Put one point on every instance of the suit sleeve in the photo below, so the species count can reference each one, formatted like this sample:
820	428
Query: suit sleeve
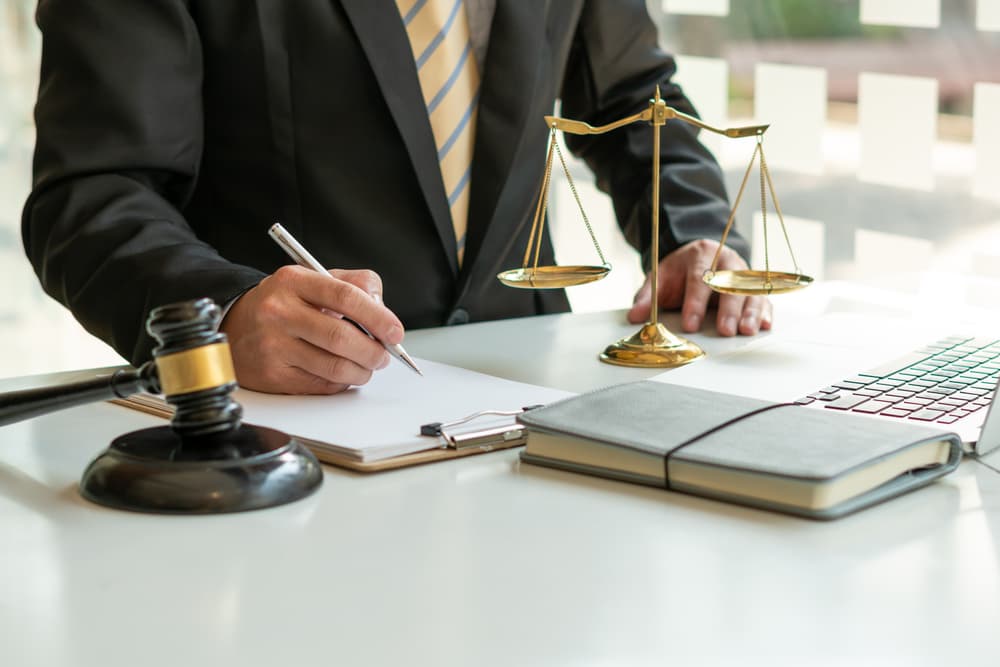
613	69
119	122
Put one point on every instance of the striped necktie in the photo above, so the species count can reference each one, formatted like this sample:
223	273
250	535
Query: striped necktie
449	79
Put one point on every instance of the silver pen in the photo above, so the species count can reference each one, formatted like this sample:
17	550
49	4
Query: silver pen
302	257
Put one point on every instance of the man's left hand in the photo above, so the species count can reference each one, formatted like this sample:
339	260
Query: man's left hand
681	286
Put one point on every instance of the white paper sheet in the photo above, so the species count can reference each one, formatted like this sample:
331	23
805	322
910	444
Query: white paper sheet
382	419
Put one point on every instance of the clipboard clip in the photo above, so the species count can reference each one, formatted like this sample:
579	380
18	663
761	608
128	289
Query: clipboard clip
498	433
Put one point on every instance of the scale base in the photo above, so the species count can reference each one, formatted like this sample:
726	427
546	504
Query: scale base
154	470
653	346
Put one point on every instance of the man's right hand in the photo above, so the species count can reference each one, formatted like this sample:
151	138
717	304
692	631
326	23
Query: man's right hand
286	336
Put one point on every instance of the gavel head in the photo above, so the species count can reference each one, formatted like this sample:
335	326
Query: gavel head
195	367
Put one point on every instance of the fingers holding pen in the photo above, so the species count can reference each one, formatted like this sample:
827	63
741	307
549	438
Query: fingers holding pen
283	341
330	308
293	366
320	368
387	328
339	338
363	303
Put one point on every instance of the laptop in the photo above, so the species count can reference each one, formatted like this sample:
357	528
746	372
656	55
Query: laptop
864	363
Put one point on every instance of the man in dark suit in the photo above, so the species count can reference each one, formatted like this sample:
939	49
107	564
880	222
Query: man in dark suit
173	133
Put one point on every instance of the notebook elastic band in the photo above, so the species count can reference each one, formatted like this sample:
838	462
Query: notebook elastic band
719	427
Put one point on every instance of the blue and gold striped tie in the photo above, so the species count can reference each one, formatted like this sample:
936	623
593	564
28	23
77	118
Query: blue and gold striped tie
449	79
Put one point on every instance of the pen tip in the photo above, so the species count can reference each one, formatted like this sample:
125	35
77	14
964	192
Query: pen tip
409	361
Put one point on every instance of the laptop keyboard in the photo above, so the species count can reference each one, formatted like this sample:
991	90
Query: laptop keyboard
942	383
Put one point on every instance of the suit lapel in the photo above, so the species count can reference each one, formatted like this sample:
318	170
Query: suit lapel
387	47
513	61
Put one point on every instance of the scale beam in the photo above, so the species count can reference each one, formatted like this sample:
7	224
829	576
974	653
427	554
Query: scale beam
571	126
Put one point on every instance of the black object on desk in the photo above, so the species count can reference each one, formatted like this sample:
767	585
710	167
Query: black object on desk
207	461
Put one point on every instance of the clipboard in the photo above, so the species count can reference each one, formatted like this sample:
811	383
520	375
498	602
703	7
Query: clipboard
453	442
378	426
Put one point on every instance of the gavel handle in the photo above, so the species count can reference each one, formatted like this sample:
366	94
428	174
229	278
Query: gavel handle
102	386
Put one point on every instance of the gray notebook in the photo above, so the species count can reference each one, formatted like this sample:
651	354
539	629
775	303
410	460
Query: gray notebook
782	457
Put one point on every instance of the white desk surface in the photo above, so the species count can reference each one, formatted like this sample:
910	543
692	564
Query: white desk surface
485	561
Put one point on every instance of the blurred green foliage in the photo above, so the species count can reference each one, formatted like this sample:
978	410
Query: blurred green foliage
799	19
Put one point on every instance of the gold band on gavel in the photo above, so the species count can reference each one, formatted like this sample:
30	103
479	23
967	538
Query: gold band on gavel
196	369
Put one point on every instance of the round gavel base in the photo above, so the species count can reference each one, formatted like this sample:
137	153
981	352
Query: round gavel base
154	470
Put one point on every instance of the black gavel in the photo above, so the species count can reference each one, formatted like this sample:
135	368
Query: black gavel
207	460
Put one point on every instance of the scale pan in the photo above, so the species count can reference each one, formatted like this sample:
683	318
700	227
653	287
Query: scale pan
551	277
755	282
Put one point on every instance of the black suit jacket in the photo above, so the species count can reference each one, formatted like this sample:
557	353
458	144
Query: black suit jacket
173	133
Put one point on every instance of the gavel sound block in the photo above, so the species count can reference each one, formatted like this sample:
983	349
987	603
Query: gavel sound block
206	461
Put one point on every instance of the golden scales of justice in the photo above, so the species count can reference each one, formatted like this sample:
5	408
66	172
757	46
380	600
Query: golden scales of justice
654	346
